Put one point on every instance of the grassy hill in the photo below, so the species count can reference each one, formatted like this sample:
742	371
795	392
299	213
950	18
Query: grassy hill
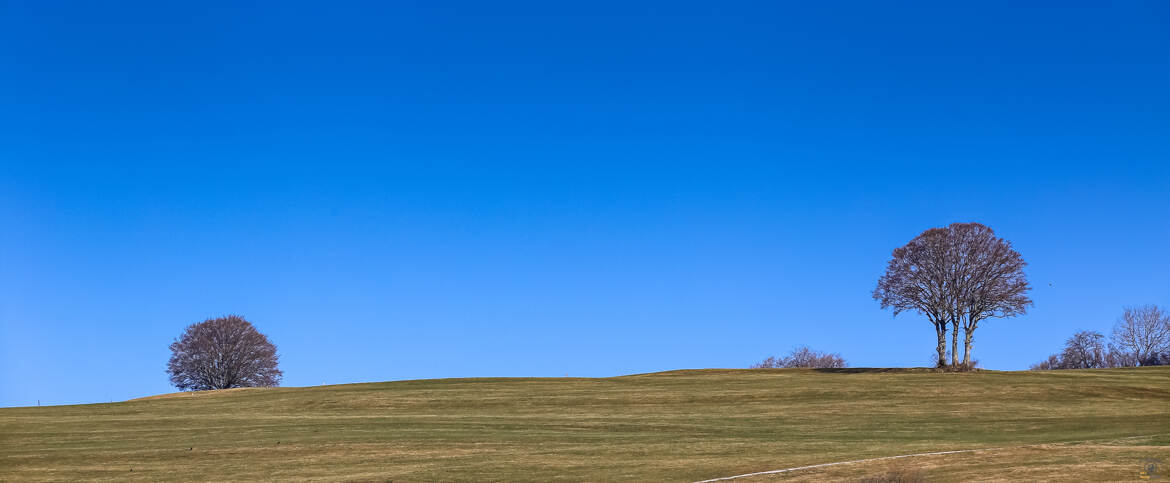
672	426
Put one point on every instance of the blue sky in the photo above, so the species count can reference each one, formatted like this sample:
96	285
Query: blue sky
397	191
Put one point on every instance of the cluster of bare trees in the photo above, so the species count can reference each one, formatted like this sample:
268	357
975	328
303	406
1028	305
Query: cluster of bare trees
1141	337
957	277
223	353
803	357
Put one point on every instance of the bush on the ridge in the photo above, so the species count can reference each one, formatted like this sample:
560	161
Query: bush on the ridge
804	357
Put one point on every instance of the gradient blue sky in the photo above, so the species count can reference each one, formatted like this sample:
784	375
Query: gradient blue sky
394	191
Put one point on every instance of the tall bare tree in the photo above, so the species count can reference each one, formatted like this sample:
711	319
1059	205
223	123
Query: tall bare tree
989	279
917	279
223	353
1145	332
959	275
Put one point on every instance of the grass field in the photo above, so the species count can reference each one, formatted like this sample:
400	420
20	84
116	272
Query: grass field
673	426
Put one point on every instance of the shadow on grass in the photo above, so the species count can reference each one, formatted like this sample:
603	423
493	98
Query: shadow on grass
876	370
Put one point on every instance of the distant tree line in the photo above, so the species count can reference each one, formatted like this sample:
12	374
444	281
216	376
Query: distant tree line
803	357
1141	337
957	277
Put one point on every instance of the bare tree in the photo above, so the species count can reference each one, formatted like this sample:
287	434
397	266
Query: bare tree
1084	350
1053	362
962	275
916	279
804	357
223	353
1144	332
989	280
1118	357
770	363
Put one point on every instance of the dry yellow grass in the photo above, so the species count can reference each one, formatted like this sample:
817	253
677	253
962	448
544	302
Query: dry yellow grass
1049	462
676	426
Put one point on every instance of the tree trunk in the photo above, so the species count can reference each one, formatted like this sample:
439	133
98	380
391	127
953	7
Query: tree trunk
941	330
955	343
970	334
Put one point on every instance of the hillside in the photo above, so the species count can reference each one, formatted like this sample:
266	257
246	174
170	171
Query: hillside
672	426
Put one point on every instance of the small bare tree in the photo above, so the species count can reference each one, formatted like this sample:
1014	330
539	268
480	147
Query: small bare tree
1144	332
1084	350
223	353
770	363
1053	362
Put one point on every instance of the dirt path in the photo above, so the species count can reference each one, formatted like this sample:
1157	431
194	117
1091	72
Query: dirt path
822	465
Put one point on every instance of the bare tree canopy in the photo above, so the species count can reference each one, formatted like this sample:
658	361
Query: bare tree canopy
916	280
1084	350
959	275
1144	332
989	279
223	353
804	357
1053	362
